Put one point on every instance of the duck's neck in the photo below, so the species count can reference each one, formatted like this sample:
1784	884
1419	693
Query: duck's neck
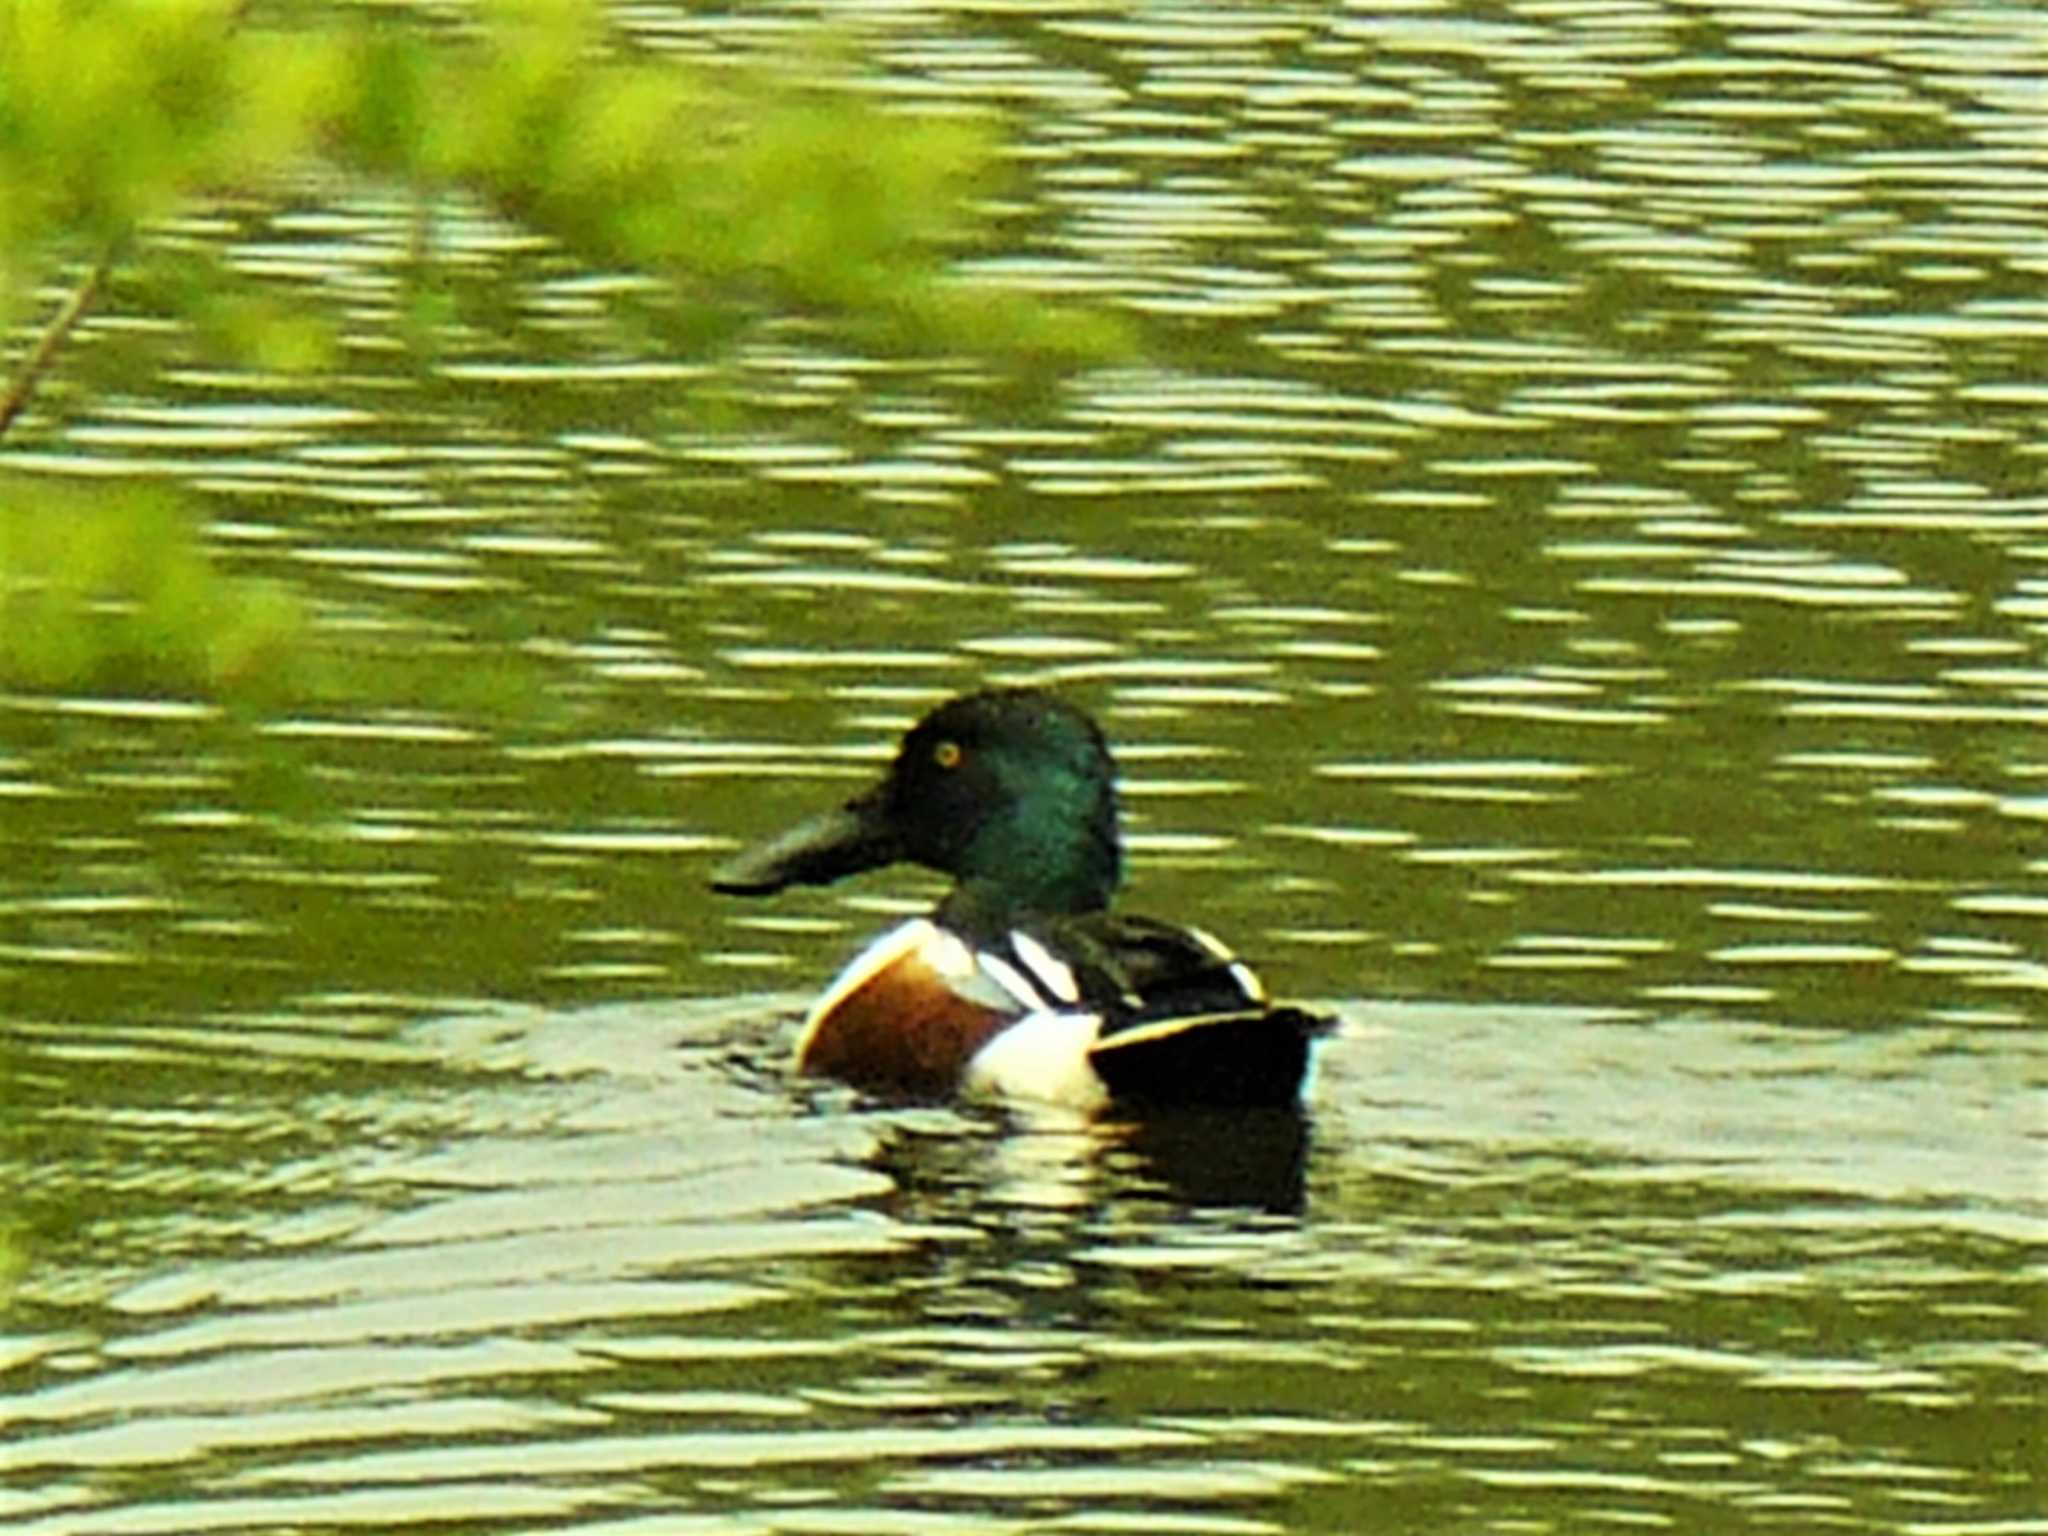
986	910
1021	868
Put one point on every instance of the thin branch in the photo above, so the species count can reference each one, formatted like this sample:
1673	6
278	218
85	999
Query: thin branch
44	352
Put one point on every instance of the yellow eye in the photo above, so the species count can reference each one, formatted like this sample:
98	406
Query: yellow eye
947	754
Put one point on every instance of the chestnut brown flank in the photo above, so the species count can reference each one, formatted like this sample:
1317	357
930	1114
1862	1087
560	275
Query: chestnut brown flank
902	1029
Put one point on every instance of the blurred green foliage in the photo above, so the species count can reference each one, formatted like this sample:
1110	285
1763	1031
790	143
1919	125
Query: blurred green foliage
744	191
776	186
114	113
745	185
112	589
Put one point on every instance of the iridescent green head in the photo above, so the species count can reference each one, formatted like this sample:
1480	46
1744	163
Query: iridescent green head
1012	792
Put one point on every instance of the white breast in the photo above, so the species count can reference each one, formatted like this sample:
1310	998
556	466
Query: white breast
1041	1056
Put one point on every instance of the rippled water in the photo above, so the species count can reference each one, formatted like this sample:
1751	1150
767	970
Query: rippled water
584	1267
1567	588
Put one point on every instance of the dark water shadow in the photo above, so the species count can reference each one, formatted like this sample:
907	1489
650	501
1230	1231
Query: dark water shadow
1256	1159
976	1162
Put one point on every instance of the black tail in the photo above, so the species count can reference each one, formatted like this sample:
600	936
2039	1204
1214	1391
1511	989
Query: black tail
1238	1059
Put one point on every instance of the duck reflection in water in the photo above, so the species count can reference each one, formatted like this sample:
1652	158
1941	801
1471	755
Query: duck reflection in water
1022	984
1018	1156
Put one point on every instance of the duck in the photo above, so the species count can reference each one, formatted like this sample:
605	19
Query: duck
1022	983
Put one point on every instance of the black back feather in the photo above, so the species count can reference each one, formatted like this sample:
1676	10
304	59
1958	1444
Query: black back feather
1183	1020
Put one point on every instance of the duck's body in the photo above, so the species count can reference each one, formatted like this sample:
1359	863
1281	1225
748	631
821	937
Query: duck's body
1021	982
1155	1014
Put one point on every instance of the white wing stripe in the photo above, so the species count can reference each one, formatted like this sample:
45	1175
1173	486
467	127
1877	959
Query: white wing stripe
1013	982
1247	982
1045	966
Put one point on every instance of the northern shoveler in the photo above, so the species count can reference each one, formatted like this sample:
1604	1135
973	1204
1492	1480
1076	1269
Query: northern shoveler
1021	982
